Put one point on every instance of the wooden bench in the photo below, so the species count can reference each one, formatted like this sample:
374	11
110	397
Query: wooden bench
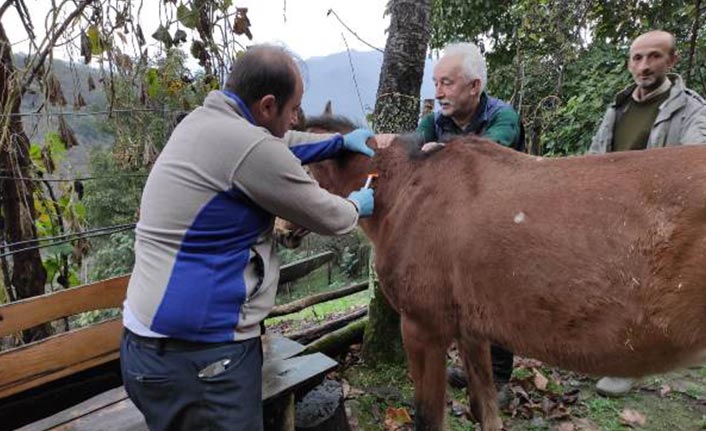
33	366
283	375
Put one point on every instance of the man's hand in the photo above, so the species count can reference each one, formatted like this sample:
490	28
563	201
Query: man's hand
363	200
355	141
432	146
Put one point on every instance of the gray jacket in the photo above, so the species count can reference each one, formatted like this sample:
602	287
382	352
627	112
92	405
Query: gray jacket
681	119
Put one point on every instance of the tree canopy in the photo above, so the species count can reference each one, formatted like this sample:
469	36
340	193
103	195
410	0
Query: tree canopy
560	61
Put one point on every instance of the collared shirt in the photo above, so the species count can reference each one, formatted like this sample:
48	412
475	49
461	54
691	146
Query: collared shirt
663	88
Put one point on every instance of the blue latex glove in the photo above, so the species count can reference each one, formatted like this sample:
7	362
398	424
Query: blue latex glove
363	199
355	141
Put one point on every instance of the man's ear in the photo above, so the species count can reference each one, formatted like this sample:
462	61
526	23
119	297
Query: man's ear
265	109
674	59
476	86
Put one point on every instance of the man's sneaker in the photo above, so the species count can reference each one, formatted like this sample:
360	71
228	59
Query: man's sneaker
614	386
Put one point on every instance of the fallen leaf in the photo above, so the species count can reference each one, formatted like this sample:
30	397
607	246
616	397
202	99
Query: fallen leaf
527	363
664	390
584	424
565	426
570	397
396	419
540	382
632	418
559	412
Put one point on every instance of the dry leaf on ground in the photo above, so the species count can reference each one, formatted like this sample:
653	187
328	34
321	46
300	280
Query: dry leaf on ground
664	390
584	424
540	382
632	418
396	419
565	426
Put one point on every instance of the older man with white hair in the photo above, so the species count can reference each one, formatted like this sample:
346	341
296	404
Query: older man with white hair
460	79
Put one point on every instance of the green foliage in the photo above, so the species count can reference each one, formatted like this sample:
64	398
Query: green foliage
3	293
90	317
95	39
111	201
113	256
596	77
57	212
186	16
560	62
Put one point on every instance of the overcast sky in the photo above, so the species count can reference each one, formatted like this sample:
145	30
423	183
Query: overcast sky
307	30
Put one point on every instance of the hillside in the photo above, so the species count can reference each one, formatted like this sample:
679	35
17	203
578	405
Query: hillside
331	78
326	78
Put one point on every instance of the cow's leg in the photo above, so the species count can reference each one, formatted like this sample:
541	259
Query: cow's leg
482	395
426	354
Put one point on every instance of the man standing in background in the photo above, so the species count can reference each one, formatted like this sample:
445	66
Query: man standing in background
656	111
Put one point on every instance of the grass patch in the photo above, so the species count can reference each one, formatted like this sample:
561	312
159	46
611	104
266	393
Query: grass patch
320	312
320	280
605	412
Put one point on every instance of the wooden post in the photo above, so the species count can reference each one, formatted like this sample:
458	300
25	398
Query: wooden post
279	415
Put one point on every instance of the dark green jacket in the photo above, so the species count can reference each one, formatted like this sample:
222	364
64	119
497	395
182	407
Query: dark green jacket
494	119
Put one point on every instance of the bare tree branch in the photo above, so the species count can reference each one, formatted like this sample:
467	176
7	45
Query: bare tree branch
24	17
5	6
37	65
331	11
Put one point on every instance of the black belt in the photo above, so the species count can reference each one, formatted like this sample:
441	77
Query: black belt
173	344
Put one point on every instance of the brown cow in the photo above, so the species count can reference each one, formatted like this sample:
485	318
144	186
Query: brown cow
595	264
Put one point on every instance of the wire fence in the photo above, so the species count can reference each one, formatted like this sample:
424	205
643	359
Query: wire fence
63	239
92	113
10	249
72	180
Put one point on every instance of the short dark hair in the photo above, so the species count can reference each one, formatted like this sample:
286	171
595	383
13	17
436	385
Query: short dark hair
263	70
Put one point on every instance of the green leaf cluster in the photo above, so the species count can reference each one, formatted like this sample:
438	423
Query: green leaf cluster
559	62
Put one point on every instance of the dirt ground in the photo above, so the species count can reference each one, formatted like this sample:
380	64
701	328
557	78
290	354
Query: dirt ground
544	398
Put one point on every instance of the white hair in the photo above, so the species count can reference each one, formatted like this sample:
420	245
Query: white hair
472	61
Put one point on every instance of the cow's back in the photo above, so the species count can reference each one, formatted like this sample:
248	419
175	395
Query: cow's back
547	256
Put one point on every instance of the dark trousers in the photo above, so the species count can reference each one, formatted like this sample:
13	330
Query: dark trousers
171	383
502	364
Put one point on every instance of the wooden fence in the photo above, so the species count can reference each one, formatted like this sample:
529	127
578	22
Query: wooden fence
30	366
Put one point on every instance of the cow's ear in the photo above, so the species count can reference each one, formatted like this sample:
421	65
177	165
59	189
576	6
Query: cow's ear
328	110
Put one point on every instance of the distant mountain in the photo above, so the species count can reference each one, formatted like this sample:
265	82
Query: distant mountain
89	130
331	78
325	78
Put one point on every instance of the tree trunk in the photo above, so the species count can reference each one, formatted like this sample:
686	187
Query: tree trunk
397	110
693	42
397	105
18	214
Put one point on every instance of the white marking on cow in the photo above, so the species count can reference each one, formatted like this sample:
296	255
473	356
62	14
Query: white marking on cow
519	217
